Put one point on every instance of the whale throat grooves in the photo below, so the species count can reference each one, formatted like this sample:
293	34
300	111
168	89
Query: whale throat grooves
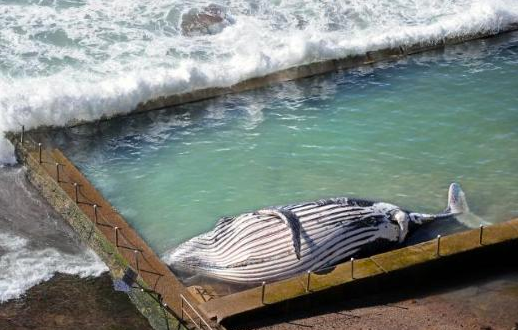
277	243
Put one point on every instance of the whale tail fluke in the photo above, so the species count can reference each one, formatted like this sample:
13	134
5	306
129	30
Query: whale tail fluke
456	200
458	206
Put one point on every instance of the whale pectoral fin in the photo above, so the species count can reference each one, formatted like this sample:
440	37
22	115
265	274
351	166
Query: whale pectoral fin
403	226
293	223
297	250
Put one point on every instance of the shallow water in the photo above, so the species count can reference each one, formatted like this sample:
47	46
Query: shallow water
397	132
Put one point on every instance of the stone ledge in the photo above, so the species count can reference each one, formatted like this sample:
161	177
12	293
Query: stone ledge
376	269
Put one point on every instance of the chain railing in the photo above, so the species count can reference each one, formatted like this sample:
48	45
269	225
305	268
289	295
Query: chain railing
140	261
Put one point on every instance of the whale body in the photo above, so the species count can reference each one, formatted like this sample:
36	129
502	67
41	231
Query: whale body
277	243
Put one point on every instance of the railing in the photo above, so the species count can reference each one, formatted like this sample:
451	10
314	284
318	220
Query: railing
100	218
200	323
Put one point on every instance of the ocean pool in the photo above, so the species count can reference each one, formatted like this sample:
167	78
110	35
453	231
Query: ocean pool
398	132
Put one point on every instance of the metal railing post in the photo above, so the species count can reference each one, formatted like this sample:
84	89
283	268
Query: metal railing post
438	251
481	234
57	172
263	288
39	152
116	236
165	316
76	188
308	281
352	268
181	309
136	260
95	213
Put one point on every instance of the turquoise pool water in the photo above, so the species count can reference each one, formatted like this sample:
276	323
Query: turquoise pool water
397	132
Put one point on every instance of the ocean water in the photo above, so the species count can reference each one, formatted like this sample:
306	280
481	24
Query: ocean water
397	132
35	243
68	60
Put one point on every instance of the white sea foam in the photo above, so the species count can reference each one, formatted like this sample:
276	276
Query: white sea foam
23	267
68	61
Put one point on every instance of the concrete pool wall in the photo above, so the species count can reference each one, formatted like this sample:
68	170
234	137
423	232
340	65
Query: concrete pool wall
305	71
312	69
460	253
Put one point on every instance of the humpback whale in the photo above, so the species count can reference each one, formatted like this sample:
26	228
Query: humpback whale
277	243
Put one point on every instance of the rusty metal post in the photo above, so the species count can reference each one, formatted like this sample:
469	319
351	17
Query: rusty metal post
136	260
481	234
76	188
39	152
181	308
438	251
95	213
308	281
57	172
263	287
116	236
22	134
165	317
352	268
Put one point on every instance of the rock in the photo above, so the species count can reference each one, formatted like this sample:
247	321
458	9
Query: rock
59	320
70	302
207	21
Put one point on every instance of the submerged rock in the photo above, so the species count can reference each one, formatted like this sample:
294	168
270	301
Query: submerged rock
206	21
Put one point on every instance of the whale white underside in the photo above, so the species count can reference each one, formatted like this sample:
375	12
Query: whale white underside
254	247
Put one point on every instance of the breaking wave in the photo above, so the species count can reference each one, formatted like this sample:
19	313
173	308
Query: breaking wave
35	243
23	267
